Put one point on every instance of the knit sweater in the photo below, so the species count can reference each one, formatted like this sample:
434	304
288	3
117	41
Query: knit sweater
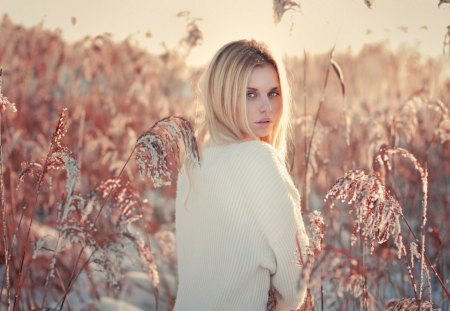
236	232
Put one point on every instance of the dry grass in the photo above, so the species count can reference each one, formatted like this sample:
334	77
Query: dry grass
82	220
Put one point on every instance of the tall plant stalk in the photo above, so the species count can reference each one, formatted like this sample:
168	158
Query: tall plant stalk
4	215
74	275
151	156
331	64
4	226
316	118
305	176
55	145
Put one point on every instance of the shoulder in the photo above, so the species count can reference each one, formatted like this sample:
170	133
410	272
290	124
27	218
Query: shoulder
263	164
256	151
248	160
255	145
260	156
257	160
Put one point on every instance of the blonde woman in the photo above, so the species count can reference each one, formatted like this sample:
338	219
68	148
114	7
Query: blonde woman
237	215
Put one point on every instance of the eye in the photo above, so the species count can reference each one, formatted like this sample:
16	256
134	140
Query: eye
274	94
251	94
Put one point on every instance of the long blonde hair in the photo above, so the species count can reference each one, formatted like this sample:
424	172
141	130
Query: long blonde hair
223	93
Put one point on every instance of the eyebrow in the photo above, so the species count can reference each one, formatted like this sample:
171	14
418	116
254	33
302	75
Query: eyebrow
276	88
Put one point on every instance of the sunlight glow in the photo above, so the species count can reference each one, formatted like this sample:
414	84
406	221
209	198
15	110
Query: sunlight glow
316	27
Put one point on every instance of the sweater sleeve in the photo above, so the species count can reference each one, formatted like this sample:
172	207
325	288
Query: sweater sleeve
276	204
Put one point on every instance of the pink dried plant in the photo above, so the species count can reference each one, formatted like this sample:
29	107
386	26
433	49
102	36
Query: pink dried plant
410	304
281	6
158	151
99	223
5	103
56	158
378	214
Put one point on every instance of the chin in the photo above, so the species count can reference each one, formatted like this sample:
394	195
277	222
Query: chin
263	134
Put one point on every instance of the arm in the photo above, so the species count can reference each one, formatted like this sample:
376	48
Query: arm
277	210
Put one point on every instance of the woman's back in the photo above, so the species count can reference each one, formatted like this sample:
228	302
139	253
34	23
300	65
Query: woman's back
237	232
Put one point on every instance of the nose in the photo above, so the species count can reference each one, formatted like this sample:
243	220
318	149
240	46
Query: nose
266	105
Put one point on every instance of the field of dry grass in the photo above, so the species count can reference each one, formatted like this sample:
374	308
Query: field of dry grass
82	230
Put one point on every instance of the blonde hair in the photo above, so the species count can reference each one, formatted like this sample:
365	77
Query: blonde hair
224	87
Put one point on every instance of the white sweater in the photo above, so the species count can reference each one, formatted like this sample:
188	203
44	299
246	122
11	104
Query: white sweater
236	235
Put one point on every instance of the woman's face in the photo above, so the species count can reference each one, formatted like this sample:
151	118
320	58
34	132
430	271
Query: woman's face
263	100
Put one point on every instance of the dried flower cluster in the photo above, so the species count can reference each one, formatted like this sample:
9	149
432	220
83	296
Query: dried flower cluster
4	102
410	304
281	6
194	35
158	150
377	213
99	223
166	242
369	3
383	158
316	233
58	157
338	267
443	130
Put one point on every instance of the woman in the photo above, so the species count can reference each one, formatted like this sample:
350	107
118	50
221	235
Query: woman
237	215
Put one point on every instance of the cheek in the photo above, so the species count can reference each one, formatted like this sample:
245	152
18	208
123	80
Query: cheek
278	106
250	109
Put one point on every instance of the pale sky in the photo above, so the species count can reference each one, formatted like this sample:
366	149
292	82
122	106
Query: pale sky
315	28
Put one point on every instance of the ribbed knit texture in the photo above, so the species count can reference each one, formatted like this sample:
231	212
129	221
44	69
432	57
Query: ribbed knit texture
236	235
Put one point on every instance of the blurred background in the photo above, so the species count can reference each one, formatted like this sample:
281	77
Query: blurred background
314	26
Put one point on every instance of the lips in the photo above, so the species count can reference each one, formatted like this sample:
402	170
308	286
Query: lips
264	121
